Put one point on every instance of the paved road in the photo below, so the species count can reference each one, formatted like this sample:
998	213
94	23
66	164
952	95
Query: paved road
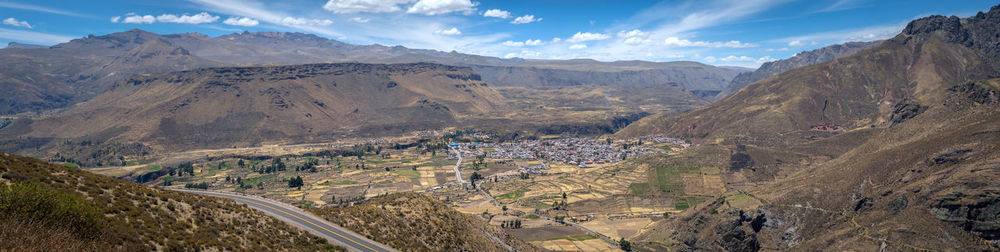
295	216
458	174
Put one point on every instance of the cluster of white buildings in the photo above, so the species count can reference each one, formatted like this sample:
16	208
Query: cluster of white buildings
573	151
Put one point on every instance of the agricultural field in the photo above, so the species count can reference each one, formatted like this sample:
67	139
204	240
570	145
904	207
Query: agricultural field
616	200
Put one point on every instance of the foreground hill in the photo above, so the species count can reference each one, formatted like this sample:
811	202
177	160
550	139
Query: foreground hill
42	79
241	106
895	147
421	223
47	207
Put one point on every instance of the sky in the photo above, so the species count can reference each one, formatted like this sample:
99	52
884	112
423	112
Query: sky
743	33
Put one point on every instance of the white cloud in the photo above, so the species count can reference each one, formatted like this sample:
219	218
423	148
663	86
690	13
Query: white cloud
637	41
675	41
360	19
734	58
841	36
136	19
8	4
526	19
577	46
355	6
115	19
33	37
305	21
776	50
635	37
710	59
18	23
412	31
452	31
529	42
556	40
632	33
241	21
709	14
513	43
437	7
587	36
199	18
840	5
766	59
497	13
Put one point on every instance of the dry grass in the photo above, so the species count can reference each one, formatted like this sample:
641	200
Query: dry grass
136	217
416	222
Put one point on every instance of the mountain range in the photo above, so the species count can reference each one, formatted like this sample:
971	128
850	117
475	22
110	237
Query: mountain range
81	69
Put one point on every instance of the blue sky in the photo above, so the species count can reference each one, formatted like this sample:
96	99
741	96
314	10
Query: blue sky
717	32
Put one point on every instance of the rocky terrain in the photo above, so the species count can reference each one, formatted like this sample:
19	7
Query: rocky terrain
899	144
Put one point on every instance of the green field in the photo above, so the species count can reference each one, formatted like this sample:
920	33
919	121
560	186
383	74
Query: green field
513	195
342	182
579	237
639	188
407	173
254	181
688	202
668	178
152	168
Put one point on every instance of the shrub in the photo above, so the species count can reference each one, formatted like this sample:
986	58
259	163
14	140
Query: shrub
34	203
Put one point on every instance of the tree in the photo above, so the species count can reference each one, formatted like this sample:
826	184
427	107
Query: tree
295	182
624	245
241	163
475	176
564	195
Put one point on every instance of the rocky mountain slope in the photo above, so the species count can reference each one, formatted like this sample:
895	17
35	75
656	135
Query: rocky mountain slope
47	207
899	144
242	106
42	79
808	58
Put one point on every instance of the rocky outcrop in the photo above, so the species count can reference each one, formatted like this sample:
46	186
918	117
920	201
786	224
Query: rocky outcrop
976	212
905	110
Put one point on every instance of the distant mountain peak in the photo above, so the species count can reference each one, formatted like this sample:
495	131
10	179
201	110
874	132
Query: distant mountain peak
24	46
